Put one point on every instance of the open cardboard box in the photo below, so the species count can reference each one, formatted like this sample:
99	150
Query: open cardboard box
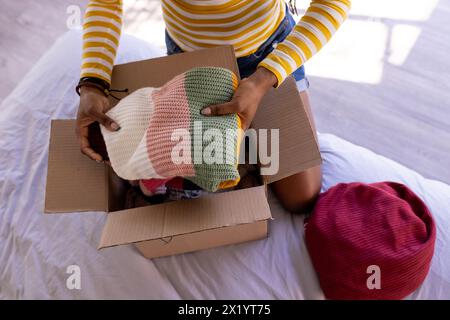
186	225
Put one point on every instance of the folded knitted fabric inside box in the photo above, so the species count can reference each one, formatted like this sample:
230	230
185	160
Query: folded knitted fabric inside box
164	135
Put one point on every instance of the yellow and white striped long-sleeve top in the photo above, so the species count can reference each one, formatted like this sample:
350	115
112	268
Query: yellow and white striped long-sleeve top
197	24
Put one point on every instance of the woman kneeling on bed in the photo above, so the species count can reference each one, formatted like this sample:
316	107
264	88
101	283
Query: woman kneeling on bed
269	46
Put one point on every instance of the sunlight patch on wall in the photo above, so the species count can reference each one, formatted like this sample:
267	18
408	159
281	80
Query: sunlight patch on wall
413	10
416	10
355	53
403	38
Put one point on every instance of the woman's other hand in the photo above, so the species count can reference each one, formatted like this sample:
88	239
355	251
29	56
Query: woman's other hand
246	98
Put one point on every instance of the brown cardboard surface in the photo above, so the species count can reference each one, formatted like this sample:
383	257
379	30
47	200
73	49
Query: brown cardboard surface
203	239
283	109
74	182
185	216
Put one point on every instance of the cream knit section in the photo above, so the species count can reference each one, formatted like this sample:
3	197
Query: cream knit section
127	148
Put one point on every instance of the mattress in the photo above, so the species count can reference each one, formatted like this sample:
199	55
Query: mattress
38	250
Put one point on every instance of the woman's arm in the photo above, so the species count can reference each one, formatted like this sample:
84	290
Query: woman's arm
311	33
101	33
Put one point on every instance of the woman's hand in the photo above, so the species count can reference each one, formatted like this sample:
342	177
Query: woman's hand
93	106
246	98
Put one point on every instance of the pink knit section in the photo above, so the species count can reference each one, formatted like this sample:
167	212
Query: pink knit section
171	112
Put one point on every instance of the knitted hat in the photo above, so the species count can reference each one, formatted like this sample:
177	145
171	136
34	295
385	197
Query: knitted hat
357	230
153	121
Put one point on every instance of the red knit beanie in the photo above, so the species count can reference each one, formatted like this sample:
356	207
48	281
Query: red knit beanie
370	241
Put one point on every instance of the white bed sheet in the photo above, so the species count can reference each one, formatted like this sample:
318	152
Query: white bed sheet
36	249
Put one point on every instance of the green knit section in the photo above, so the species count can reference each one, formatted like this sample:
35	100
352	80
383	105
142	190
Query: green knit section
207	86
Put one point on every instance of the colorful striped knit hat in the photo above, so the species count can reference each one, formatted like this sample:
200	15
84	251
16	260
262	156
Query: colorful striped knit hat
153	121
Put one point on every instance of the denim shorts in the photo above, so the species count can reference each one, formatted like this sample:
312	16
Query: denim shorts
248	64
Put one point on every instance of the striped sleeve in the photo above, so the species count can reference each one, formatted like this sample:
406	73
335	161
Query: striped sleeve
102	27
311	33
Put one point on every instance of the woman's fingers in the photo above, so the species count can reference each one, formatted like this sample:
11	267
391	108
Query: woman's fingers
106	121
234	106
85	147
221	109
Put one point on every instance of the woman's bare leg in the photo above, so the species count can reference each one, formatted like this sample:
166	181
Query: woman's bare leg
298	193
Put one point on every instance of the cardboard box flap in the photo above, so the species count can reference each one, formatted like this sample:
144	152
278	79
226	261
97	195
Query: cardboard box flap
297	143
74	182
156	72
185	216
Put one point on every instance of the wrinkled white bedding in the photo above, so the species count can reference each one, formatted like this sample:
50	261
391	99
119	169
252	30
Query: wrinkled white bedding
36	249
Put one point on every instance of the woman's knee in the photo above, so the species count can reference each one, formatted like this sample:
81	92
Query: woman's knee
298	193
